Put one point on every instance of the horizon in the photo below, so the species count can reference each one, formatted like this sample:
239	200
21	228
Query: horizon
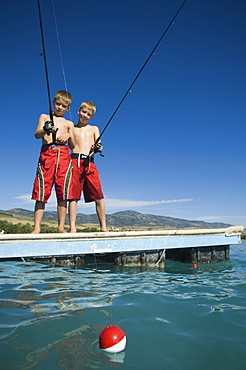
129	210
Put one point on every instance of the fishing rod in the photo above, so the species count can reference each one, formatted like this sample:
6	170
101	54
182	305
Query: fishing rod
48	124
140	71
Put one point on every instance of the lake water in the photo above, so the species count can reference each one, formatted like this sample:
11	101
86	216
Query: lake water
179	317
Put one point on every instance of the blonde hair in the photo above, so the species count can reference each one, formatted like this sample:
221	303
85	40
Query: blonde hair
89	105
64	95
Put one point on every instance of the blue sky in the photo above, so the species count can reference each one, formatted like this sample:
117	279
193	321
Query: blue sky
176	146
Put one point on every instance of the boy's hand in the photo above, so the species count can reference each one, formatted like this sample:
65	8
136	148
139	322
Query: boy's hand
63	138
97	147
48	127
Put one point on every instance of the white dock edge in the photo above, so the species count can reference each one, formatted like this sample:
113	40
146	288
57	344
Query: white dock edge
42	245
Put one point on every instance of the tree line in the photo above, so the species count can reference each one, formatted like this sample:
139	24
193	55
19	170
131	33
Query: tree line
10	228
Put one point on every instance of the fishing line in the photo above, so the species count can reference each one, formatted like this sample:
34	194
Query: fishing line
45	61
189	38
140	71
59	47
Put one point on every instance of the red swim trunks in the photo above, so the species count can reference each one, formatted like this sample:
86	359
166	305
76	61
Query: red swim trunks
85	177
54	167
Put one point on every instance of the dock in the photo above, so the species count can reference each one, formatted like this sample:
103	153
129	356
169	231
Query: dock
149	248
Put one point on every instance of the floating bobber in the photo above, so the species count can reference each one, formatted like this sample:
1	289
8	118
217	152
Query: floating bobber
194	265
112	339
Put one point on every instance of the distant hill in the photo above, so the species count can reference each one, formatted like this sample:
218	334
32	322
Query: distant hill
129	219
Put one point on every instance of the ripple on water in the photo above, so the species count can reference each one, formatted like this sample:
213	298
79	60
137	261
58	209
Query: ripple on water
53	315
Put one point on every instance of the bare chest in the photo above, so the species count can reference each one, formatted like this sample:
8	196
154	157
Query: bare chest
84	134
61	124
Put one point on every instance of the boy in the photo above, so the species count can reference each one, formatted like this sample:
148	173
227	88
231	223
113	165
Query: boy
85	174
54	165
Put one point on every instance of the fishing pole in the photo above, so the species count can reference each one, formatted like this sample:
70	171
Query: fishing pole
48	124
140	71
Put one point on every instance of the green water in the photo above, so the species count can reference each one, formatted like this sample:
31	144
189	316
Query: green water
178	318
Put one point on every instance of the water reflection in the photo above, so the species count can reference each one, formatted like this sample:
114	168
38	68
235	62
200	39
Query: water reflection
44	290
74	349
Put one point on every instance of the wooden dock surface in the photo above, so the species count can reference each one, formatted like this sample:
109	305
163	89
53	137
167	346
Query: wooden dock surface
41	245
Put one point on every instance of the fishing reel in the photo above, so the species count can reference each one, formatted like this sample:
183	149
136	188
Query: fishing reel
48	126
97	147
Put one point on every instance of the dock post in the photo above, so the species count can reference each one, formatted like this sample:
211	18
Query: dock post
204	255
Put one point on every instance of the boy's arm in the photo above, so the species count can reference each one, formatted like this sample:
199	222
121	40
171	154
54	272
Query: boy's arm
71	140
39	133
98	147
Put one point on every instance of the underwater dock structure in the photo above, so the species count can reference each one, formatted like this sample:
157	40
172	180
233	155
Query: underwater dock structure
137	248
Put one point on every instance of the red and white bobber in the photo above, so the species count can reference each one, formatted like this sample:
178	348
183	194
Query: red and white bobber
112	339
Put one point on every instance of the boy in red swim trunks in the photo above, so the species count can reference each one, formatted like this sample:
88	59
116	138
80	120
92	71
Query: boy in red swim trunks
54	165
85	174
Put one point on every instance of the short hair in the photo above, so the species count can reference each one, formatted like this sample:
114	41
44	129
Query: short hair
89	105
65	95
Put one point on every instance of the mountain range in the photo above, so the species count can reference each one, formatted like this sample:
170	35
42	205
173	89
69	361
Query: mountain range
129	219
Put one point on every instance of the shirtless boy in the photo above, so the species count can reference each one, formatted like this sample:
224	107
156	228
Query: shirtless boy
85	174
54	165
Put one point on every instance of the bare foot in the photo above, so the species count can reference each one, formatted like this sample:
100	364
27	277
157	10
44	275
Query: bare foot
62	231
104	230
35	231
72	231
